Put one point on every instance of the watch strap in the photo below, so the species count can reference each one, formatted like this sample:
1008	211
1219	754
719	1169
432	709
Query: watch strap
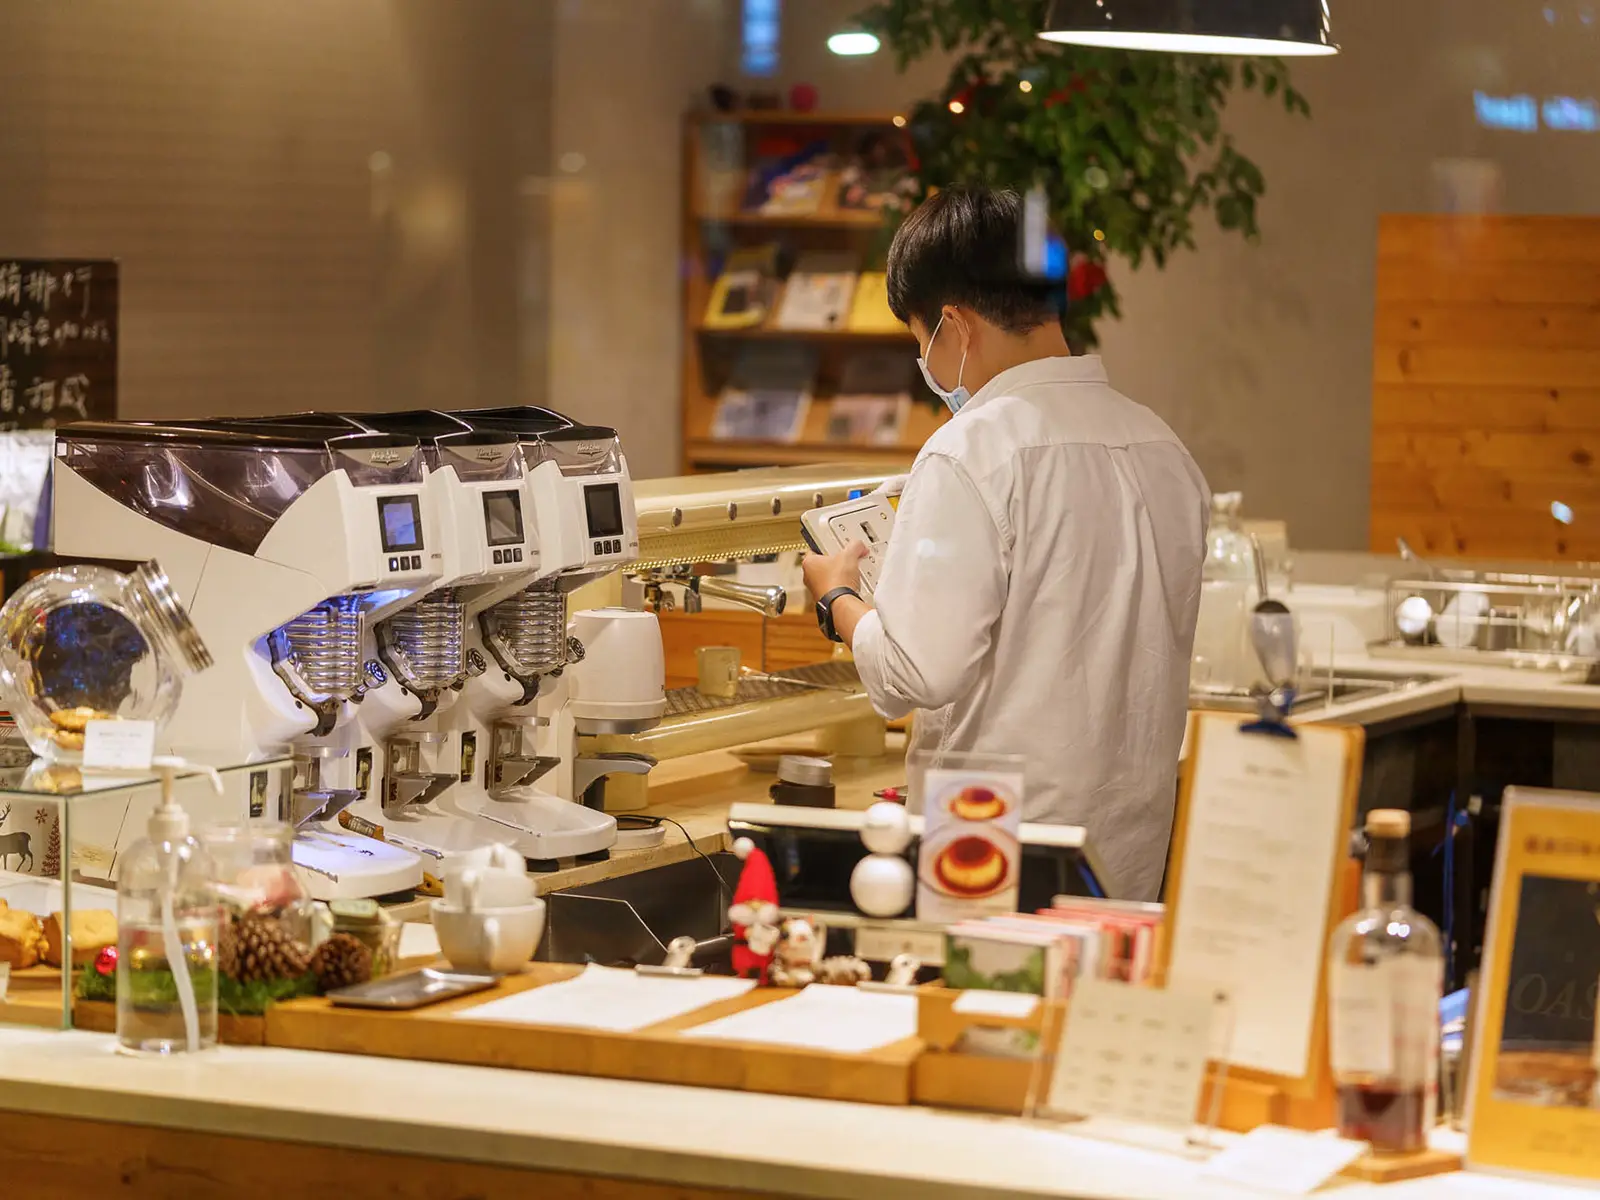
825	610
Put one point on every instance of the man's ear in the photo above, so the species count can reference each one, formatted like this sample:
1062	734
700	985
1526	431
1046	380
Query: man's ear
960	322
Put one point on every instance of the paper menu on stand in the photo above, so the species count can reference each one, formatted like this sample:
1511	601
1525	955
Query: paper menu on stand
1132	1053
610	999
1266	821
844	1020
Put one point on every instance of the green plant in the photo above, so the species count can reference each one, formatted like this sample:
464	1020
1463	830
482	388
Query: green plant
1128	146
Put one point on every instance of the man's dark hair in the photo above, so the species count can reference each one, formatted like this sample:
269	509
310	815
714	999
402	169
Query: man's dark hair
962	246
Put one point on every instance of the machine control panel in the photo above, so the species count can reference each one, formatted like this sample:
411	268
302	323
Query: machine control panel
608	527
503	526
400	531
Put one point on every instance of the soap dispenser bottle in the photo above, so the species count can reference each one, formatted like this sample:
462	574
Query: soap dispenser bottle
169	919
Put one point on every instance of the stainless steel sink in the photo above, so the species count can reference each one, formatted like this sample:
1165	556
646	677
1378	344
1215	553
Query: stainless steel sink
1347	688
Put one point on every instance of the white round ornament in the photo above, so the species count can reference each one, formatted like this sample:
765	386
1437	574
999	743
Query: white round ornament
881	885
885	829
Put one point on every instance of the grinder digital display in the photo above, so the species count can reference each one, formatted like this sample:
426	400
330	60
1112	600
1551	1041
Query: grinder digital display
401	521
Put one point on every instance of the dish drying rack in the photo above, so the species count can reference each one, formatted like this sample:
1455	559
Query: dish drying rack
1494	618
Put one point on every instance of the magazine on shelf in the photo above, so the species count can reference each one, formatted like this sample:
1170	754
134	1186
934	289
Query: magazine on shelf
874	399
819	291
743	294
768	396
869	307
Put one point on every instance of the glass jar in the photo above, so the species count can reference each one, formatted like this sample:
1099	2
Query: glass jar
256	875
86	643
1224	661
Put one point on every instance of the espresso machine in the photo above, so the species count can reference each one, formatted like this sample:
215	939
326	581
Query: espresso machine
285	540
549	678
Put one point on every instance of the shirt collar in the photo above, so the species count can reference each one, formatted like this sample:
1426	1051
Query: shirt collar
1079	368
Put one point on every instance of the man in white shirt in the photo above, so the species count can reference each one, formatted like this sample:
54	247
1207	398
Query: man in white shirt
1038	596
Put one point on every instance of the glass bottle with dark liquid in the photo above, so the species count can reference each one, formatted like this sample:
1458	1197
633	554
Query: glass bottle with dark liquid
1385	970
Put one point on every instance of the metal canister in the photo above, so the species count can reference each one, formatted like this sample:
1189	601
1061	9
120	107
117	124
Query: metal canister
806	782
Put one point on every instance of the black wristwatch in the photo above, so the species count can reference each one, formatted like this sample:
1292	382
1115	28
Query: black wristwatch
825	611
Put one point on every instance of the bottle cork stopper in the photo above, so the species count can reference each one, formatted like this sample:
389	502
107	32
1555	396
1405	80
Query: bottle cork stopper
1388	823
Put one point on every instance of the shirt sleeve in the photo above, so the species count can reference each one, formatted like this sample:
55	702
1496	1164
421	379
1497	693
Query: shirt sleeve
941	590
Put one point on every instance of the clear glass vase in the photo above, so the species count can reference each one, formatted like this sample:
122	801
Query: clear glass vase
256	875
87	643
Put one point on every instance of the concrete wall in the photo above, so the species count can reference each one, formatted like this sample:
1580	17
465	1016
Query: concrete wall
314	204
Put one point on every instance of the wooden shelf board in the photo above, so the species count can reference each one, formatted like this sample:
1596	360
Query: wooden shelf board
774	333
792	454
834	219
783	116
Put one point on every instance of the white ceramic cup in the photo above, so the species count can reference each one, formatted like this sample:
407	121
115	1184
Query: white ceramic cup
499	940
487	887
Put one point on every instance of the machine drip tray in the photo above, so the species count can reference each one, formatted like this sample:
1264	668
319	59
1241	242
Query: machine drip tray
629	921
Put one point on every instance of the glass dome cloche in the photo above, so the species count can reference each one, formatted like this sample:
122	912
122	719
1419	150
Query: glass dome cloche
88	643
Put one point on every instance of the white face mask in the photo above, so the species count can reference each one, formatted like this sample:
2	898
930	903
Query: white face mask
957	397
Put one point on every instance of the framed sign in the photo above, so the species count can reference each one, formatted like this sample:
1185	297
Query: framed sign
1260	875
1532	1105
58	341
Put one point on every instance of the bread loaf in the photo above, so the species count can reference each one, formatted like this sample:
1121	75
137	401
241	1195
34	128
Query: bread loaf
21	939
92	931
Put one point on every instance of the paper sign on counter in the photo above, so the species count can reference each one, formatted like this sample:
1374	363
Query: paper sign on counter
119	745
1132	1053
1290	1162
609	998
979	1002
844	1020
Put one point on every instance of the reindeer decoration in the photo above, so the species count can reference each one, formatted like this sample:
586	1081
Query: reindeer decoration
13	843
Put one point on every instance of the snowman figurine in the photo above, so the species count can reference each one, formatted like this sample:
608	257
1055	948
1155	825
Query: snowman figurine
882	882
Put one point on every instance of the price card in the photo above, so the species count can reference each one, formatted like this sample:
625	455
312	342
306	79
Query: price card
1271	1158
5	979
119	745
1133	1054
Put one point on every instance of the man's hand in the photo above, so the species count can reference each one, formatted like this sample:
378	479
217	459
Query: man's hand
824	572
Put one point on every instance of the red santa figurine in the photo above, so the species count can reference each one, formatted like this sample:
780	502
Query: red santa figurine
754	913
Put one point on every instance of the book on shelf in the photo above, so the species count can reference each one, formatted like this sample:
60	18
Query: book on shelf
791	184
876	175
869	307
874	400
818	292
768	395
743	294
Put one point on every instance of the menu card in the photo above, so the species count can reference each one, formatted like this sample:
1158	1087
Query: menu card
1132	1053
1267	819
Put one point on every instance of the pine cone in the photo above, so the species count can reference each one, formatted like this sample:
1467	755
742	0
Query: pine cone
256	948
341	961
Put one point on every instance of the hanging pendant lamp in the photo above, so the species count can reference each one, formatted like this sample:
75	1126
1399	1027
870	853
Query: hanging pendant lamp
1288	28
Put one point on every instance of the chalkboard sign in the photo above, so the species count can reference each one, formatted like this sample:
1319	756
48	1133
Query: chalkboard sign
58	341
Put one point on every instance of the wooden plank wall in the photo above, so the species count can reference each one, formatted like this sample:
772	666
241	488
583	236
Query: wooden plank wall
1486	386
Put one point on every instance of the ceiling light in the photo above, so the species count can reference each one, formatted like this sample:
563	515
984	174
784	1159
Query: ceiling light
1288	28
853	43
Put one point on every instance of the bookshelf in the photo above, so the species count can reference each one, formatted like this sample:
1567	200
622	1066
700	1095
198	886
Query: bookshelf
719	151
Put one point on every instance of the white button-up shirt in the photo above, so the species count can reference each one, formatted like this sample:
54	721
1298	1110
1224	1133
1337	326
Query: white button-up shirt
1038	598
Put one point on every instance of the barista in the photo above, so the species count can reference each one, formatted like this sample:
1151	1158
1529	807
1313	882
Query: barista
1039	594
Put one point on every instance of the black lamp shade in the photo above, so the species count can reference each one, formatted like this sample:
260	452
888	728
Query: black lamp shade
1288	28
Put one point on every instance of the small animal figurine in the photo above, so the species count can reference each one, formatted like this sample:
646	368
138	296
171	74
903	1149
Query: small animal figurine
794	964
843	970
